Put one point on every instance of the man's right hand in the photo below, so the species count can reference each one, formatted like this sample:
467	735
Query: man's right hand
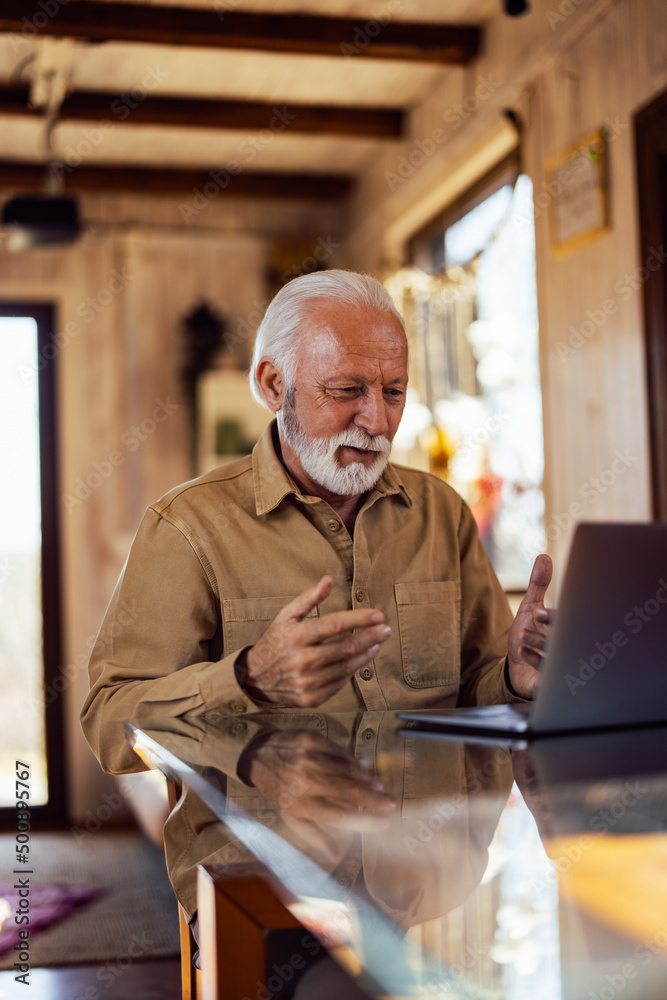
301	663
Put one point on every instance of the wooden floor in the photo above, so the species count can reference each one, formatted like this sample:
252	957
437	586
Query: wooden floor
157	980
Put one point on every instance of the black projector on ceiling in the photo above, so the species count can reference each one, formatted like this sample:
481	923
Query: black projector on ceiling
41	220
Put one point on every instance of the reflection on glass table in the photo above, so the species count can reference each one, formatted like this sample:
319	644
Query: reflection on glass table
428	866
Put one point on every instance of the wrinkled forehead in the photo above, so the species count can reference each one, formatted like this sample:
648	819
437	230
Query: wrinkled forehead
334	332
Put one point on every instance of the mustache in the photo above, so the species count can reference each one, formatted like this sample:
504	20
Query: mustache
356	437
352	437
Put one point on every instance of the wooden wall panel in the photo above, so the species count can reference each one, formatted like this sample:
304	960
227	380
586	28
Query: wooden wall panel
594	386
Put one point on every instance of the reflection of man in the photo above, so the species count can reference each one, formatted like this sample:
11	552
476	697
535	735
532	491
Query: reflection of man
314	573
404	822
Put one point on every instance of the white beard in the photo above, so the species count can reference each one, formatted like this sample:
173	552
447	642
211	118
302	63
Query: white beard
318	455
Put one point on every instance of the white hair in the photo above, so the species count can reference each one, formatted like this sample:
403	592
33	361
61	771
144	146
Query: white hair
285	320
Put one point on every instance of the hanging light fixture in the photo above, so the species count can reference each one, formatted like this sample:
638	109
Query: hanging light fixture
52	217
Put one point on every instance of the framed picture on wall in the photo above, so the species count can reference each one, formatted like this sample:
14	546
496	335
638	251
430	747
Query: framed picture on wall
577	189
229	419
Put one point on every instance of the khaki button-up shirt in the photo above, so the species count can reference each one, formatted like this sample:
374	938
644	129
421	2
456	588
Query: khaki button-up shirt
216	559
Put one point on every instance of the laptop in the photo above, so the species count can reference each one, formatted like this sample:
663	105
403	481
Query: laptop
606	665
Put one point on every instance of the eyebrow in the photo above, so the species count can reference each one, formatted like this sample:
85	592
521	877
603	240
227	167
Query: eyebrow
363	381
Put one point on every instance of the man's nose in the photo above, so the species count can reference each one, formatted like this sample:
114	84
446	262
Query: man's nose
372	414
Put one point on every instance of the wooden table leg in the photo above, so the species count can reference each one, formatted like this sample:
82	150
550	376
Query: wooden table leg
251	946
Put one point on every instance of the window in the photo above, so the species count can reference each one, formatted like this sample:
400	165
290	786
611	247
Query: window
29	577
474	414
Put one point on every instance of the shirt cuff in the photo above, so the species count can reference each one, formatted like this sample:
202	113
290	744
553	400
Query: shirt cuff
226	746
221	690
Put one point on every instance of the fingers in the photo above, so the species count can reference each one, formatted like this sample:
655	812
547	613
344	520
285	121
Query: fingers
319	630
351	797
531	627
343	816
351	646
532	652
531	656
344	781
303	603
540	578
310	674
332	665
301	662
533	640
314	759
532	646
318	785
334	763
340	794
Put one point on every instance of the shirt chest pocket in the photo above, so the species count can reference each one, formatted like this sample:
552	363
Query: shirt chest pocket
429	622
247	619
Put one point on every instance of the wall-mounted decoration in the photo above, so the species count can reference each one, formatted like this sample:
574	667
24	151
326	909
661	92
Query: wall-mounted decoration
577	193
229	419
203	334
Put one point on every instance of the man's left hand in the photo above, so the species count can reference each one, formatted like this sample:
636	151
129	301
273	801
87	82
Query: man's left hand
530	631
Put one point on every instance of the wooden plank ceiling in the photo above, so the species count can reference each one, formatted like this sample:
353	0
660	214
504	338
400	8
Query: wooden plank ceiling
153	96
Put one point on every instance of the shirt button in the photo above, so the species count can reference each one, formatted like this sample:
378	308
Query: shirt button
359	594
368	735
237	707
344	881
367	673
333	525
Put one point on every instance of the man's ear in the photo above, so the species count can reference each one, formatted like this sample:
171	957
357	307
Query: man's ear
271	384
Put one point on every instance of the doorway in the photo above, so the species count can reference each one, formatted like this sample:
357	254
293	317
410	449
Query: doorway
31	737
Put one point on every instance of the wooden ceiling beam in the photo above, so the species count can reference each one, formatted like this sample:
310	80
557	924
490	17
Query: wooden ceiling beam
370	123
374	38
196	186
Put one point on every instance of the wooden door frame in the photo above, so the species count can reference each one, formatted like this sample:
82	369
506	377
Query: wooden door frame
44	314
650	124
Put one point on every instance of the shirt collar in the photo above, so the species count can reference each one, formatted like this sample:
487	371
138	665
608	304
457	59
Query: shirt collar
273	483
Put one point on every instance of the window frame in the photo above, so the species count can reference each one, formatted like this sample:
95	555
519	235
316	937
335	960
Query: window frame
426	249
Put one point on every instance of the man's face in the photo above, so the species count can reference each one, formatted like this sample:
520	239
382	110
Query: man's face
348	397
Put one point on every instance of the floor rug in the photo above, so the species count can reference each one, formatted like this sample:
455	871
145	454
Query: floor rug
37	907
134	917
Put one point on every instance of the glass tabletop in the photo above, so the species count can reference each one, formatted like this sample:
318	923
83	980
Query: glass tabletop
432	866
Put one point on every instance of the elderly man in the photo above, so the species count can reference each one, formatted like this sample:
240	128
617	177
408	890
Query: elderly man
314	573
